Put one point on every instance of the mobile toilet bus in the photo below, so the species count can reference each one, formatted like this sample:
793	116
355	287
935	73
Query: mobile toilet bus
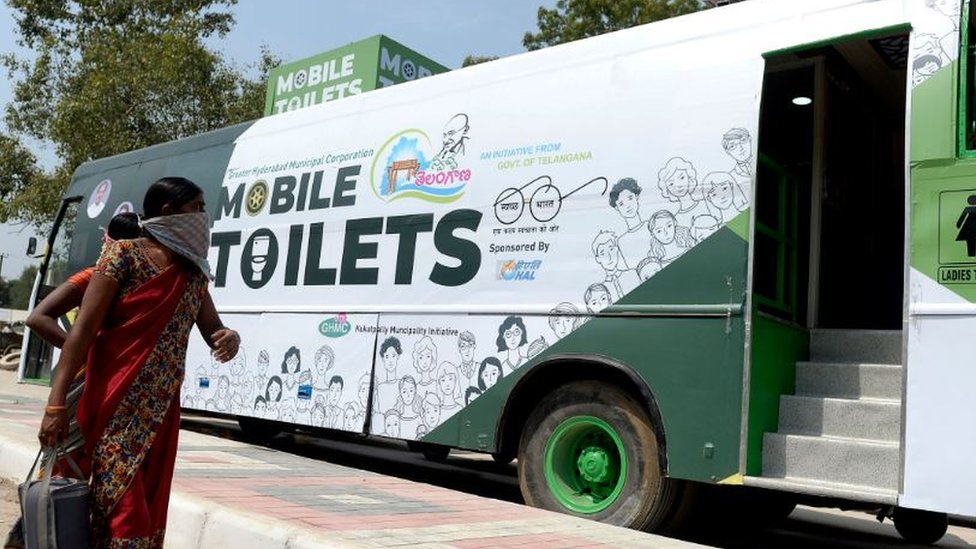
733	247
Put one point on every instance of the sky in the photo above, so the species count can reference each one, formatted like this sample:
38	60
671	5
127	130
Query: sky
446	31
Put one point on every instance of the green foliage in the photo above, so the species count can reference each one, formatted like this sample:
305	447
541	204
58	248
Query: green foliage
20	289
476	59
111	76
575	19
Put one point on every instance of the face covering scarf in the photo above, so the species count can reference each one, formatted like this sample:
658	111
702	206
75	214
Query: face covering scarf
186	234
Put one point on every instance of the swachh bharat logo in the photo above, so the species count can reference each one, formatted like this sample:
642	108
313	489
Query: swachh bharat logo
336	326
409	165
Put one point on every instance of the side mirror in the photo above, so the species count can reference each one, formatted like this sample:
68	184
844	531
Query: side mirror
31	246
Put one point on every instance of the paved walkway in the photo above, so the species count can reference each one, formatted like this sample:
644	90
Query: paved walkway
229	494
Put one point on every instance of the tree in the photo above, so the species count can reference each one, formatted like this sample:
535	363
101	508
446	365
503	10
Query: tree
20	289
112	76
477	59
575	19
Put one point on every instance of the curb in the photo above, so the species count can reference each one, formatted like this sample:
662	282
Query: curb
195	522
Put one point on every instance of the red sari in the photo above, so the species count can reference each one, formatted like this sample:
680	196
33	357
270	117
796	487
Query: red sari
129	412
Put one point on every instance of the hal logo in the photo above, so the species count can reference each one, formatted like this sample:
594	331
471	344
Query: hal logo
511	269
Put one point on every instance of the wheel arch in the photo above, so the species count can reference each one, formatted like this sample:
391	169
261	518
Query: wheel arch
562	369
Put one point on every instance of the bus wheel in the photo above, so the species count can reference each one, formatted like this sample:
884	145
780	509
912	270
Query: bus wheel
920	527
589	449
259	431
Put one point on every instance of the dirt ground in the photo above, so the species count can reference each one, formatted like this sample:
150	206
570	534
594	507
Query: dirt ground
9	508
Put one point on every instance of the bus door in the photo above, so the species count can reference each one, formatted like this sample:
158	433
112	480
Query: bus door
39	356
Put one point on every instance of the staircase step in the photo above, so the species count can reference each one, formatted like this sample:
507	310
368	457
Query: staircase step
841	460
872	346
840	417
840	379
825	489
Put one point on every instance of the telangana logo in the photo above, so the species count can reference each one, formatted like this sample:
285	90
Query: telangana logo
405	168
336	326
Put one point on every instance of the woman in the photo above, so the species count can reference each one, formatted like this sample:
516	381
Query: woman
132	327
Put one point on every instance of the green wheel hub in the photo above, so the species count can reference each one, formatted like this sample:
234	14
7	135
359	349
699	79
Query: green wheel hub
585	464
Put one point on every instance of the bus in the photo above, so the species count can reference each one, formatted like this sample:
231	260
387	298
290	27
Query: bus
737	247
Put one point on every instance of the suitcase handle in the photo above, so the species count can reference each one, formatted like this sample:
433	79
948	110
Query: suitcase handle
49	456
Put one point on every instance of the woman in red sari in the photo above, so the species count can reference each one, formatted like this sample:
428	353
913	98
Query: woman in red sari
132	330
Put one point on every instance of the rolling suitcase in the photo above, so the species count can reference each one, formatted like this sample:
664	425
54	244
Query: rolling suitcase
55	510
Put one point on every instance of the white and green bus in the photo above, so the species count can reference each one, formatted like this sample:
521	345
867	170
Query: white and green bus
735	247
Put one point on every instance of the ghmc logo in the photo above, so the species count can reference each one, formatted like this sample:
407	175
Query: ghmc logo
336	326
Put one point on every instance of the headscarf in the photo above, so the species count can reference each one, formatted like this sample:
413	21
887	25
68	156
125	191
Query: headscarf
186	234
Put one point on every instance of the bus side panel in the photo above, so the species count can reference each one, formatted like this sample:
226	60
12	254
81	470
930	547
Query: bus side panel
693	365
303	369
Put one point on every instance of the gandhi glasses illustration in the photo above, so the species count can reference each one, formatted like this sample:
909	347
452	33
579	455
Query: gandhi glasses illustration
544	203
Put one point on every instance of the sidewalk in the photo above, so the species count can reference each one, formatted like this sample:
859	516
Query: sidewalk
233	495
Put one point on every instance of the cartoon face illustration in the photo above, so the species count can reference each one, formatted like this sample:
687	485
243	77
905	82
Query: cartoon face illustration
390	358
237	364
738	144
363	394
424	359
471	394
562	325
288	415
679	183
260	407
424	355
324	359
432	410
318	416
490	374
291	362
607	254
513	336
721	193
663	229
391	424
408	390
274	389
335	390
597	297
448	381
466	350
263	360
455	130
627	203
223	386
349	419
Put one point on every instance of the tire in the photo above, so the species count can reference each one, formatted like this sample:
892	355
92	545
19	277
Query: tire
259	431
502	458
920	527
589	449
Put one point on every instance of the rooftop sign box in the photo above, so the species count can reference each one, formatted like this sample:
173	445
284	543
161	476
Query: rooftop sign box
375	62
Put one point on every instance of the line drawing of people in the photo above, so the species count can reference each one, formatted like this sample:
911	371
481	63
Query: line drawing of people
323	361
967	226
702	227
737	143
286	410
318	416
625	199
387	388
304	385
391	424
272	394
563	319
678	183
470	394
619	279
222	397
924	66
596	297
724	196
648	267
425	363
668	239
431	416
421	431
260	406
350	418
333	412
512	343
466	347
489	373
290	365
449	388
455	136
261	378
407	404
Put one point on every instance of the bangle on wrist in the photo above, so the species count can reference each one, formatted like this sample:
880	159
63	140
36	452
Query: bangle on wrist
54	410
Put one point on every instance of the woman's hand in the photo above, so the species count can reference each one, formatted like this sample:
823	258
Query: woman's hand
54	427
225	344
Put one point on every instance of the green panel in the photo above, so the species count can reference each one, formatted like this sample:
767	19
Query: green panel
398	63
776	348
740	225
324	77
941	214
934	116
692	364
